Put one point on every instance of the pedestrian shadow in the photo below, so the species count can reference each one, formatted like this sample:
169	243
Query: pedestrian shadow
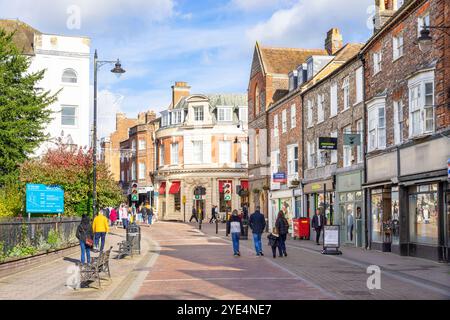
75	261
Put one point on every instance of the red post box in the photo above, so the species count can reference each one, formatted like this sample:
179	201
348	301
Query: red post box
303	228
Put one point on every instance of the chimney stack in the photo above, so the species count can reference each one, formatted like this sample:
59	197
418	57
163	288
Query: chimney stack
179	90
119	118
385	9
333	42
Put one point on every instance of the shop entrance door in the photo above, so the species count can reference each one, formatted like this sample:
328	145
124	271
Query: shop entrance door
199	205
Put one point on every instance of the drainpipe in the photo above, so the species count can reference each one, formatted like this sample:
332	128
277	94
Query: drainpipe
366	193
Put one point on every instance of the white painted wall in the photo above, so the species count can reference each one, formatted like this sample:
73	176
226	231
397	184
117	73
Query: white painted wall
55	54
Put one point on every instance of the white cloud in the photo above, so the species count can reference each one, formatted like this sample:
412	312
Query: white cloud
305	23
255	5
51	14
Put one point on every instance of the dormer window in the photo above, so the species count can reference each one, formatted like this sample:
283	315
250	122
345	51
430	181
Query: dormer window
176	117
293	80
198	113
224	114
310	69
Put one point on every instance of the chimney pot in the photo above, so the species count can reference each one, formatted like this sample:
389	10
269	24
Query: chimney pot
333	42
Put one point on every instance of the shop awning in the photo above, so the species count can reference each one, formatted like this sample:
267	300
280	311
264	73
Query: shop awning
222	182
162	188
175	187
244	184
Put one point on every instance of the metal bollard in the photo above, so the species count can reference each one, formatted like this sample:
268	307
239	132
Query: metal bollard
217	227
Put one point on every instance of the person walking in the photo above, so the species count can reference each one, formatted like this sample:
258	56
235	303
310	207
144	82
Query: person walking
124	215
113	216
257	223
213	214
318	221
274	242
85	235
100	228
245	211
234	226
150	215
144	214
194	215
282	226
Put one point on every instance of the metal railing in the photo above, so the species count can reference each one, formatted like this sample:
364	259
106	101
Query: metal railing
16	232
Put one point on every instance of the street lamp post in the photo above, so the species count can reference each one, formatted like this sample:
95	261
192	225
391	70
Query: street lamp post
118	71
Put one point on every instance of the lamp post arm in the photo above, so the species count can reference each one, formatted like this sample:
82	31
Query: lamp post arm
440	28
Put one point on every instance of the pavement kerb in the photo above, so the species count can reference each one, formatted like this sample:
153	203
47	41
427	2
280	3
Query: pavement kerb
296	276
130	286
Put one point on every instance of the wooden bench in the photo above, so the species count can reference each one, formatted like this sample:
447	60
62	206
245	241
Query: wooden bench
91	271
125	248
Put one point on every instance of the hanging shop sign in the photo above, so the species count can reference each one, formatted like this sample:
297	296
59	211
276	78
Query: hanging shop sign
352	139
327	143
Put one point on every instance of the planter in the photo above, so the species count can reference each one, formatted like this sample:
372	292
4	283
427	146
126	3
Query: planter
295	182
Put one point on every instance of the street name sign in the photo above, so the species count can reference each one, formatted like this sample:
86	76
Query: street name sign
41	198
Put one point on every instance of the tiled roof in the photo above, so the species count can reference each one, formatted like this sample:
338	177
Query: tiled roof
24	34
284	60
218	99
347	52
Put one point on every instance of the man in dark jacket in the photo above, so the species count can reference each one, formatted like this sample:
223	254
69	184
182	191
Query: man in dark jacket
257	223
318	221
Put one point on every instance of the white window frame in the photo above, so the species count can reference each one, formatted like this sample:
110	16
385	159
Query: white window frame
377	58
418	107
397	46
346	92
284	121
275	126
293	116
346	150
133	171
69	79
243	114
176	117
141	171
292	162
225	152
424	19
142	144
224	114
199	113
333	100
310	113
320	108
275	156
174	153
197	151
359	81
359	149
334	153
133	145
398	122
75	116
375	127
162	155
311	150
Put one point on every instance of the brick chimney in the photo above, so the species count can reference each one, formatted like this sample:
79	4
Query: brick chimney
333	42
385	9
150	116
119	118
179	90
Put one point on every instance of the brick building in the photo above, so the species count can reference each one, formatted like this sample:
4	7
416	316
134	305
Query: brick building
110	146
268	83
408	122
137	158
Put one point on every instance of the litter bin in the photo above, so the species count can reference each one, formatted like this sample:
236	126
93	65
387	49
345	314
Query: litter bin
134	237
387	237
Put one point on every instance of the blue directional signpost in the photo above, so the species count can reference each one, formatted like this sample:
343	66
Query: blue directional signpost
44	199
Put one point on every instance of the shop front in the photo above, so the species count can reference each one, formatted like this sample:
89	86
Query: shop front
349	208
319	195
282	200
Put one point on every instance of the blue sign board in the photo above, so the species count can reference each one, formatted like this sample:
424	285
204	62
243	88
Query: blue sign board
44	199
279	177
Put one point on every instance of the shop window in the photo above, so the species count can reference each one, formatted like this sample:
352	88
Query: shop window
380	212
177	201
423	214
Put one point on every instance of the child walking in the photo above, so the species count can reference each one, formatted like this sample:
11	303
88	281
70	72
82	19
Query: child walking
274	240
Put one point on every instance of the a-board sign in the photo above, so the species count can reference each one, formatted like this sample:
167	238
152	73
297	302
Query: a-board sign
41	198
331	236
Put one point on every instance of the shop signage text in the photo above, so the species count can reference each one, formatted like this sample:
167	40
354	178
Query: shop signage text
327	143
279	177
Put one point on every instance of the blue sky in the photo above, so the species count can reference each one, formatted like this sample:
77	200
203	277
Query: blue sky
207	43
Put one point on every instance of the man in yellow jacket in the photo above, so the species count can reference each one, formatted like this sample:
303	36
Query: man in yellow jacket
100	226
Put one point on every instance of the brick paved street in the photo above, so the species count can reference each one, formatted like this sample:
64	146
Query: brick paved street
180	262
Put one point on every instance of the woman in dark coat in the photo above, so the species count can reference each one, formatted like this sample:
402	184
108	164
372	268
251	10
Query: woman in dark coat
282	226
85	233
